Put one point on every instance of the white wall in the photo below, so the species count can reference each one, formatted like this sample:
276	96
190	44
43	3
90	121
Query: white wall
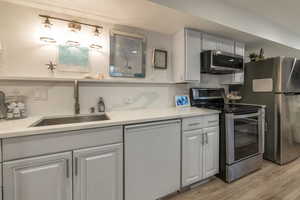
272	50
24	55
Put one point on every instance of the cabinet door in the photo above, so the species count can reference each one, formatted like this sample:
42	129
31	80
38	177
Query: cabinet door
98	173
240	49
46	178
192	55
209	42
192	157
211	152
225	45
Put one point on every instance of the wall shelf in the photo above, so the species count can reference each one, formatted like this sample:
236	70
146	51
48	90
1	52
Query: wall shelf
67	80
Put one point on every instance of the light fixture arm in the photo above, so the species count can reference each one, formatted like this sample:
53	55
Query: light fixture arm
71	21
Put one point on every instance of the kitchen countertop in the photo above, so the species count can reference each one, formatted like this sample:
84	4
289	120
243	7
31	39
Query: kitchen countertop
16	128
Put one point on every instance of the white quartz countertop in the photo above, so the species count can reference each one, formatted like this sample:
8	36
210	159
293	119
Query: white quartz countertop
22	127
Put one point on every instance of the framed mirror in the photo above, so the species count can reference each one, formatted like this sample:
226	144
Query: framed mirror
127	55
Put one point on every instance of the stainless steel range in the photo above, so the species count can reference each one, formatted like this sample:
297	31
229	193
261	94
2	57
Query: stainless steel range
241	133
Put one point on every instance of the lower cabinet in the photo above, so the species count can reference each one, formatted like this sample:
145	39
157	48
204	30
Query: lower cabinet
200	154
46	177
211	152
98	173
192	156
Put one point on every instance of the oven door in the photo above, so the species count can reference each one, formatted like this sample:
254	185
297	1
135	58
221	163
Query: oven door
244	136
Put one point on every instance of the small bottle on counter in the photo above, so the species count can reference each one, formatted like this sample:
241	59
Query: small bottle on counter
101	105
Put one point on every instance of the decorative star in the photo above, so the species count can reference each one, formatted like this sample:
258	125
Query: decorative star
51	66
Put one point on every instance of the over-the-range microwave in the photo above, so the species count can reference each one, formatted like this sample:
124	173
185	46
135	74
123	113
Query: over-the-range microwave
218	62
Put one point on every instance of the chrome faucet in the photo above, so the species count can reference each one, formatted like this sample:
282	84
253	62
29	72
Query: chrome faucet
76	97
3	107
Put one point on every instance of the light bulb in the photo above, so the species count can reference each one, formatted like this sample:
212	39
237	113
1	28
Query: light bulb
96	42
72	40
46	32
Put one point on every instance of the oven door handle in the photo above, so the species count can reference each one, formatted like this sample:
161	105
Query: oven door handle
246	116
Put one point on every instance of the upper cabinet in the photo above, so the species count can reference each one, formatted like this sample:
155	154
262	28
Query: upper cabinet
239	49
188	45
187	50
225	45
211	42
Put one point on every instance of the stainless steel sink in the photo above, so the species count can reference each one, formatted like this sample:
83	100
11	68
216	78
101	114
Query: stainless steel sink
70	120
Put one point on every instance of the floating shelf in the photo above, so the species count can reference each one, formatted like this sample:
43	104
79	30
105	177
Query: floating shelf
62	79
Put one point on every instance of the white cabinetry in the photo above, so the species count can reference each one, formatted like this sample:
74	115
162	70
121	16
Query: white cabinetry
240	49
187	47
47	178
200	149
187	50
98	173
152	160
192	157
225	45
211	42
211	151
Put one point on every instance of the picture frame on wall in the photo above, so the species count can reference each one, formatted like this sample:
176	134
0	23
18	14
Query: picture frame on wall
73	59
127	55
160	59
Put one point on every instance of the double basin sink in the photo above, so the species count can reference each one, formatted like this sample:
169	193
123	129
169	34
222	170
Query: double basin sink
70	120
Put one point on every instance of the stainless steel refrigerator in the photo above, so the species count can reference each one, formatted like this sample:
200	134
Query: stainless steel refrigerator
275	82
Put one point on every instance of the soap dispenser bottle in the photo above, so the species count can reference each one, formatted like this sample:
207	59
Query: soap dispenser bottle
101	105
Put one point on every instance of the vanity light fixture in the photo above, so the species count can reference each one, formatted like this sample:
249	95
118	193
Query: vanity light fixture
74	28
73	33
46	34
96	43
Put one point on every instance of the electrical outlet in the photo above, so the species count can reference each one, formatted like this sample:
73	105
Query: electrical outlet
128	100
40	94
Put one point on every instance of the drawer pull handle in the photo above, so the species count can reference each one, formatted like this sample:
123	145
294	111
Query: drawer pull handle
195	124
76	166
67	168
214	121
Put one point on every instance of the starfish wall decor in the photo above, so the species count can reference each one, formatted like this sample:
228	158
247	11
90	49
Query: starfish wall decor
51	66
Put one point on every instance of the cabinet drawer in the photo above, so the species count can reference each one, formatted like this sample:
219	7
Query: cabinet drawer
211	120
27	146
192	123
200	122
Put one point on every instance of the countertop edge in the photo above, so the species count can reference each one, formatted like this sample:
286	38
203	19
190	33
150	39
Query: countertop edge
32	131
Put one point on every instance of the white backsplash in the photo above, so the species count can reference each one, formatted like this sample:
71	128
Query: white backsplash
60	97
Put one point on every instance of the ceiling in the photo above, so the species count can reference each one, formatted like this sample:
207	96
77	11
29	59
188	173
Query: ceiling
283	12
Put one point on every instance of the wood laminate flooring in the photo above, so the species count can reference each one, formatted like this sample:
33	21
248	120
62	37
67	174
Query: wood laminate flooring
272	182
